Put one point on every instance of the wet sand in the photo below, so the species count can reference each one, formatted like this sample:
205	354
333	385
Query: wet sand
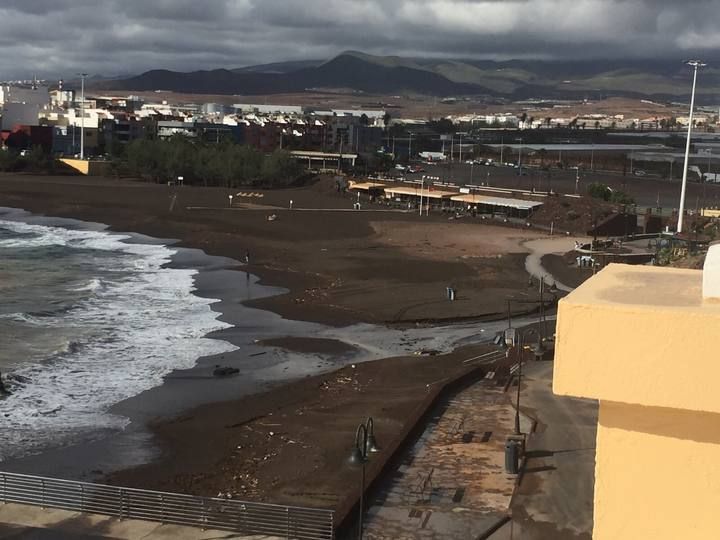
310	345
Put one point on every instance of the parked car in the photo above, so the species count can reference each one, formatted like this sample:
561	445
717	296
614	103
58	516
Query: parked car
640	173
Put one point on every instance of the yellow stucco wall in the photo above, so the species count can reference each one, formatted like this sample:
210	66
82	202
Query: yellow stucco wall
87	167
638	334
82	166
657	474
644	342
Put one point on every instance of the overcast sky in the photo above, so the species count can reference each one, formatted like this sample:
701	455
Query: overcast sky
61	37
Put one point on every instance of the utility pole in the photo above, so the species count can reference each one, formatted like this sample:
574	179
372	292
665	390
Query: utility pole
82	115
460	159
695	64
520	157
577	179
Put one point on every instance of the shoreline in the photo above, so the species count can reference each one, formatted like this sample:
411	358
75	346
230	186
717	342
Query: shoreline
184	392
94	456
284	356
338	269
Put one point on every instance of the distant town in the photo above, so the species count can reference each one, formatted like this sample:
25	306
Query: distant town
66	122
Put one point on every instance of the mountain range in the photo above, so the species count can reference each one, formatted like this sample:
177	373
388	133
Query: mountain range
512	79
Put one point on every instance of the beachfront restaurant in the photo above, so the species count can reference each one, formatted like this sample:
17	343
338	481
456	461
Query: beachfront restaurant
410	196
486	204
373	189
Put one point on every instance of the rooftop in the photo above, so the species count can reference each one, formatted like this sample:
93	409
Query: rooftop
644	333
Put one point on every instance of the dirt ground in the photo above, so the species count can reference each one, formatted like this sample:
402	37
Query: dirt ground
291	445
339	266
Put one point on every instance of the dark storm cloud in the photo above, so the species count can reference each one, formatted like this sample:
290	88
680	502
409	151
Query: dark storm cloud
62	37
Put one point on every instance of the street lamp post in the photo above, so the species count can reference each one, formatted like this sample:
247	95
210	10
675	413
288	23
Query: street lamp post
695	64
82	115
520	157
539	351
365	444
422	186
577	179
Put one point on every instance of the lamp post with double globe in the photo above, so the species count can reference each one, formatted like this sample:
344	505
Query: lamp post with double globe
365	444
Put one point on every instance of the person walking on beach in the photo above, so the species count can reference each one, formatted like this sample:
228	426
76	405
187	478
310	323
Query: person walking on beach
247	257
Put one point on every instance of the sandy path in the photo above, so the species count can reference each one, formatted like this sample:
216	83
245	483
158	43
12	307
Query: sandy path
450	240
546	246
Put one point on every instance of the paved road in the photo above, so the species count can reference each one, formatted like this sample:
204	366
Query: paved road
544	246
555	497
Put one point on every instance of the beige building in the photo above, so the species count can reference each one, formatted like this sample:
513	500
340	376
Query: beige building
644	342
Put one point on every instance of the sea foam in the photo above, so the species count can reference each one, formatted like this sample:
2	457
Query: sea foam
134	325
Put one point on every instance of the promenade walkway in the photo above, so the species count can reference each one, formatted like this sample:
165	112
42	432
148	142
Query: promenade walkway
452	484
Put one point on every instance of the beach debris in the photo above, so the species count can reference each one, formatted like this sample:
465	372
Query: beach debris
225	371
427	352
3	391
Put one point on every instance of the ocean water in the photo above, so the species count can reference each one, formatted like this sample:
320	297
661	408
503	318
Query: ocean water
88	318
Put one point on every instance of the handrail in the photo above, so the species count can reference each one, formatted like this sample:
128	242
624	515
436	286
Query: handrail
245	517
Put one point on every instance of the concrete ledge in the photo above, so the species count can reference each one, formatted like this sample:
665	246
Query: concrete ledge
640	335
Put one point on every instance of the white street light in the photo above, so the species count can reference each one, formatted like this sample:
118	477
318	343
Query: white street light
82	115
520	156
695	64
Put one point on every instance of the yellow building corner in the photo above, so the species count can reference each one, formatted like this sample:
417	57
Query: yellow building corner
644	342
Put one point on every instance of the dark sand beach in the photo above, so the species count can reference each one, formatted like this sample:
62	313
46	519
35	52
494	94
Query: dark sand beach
317	269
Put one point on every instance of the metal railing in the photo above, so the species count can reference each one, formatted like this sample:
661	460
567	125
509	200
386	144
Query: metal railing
173	508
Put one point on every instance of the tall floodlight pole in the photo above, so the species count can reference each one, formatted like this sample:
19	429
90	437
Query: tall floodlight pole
82	115
695	64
